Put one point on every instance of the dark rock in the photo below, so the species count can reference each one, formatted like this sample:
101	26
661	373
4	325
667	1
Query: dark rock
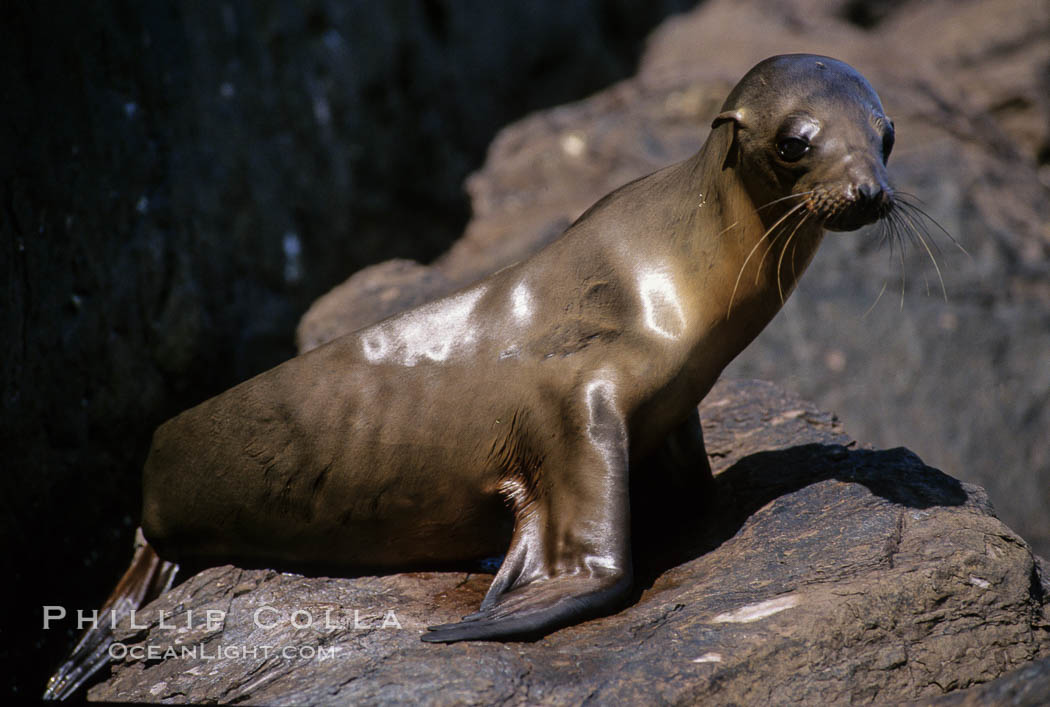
817	573
1025	687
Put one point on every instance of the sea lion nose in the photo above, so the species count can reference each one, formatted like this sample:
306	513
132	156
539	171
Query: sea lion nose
873	197
870	192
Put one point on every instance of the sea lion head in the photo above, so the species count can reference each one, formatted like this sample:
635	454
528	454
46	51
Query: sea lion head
810	127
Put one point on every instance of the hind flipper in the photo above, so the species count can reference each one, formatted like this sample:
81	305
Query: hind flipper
146	578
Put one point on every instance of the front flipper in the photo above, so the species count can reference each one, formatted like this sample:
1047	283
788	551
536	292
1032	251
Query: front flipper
569	557
537	609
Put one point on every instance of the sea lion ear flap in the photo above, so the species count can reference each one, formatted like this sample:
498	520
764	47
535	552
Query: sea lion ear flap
736	118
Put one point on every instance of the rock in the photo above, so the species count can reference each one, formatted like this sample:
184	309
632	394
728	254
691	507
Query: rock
818	572
963	382
1025	687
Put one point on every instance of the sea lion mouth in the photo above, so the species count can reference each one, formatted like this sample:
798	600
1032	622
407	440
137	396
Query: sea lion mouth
850	221
851	208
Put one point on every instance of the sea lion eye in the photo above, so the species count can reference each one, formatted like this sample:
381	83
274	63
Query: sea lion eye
887	145
791	149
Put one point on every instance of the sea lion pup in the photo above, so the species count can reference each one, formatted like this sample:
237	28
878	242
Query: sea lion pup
539	387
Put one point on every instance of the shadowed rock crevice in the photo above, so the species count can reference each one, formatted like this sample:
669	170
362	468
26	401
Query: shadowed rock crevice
700	525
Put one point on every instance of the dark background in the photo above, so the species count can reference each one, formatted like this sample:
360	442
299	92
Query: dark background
160	162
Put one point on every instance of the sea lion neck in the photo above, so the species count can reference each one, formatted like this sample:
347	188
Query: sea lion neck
761	244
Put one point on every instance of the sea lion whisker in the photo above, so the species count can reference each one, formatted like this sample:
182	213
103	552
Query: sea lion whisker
904	276
903	234
780	260
794	275
786	198
917	232
905	222
906	226
727	229
905	202
910	198
758	242
772	242
893	231
888	233
897	228
913	224
877	298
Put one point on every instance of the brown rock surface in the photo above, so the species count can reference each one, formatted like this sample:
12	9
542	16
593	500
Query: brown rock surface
817	573
1025	687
